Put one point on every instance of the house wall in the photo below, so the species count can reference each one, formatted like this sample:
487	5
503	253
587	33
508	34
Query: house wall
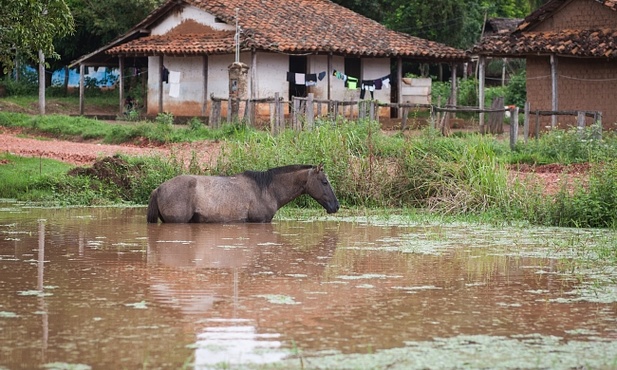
190	92
580	14
582	84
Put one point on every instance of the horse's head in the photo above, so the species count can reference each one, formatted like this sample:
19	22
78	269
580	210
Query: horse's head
318	187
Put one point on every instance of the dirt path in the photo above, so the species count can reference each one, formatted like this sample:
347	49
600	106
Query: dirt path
86	153
549	177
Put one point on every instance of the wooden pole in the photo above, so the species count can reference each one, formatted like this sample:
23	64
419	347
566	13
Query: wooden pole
513	127
82	88
481	76
204	106
526	122
42	103
310	115
554	101
399	83
161	84
121	84
329	73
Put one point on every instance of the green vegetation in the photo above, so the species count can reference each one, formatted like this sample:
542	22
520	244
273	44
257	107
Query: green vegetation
463	175
80	128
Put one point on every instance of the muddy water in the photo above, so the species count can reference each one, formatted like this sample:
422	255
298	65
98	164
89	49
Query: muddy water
99	288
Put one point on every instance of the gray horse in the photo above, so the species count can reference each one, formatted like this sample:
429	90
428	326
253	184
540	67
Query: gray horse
251	196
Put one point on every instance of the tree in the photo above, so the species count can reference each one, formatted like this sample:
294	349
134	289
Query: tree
97	23
27	27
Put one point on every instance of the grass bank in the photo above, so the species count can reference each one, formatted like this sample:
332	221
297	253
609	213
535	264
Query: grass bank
464	175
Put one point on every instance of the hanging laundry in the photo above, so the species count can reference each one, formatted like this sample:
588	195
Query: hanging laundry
165	74
321	75
367	85
386	82
378	84
311	79
300	79
174	84
339	75
352	83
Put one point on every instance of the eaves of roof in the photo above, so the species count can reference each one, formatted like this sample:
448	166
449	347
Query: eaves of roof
567	43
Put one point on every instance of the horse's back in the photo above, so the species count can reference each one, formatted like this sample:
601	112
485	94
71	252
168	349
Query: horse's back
192	198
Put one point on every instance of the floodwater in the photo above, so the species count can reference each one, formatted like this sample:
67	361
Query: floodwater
99	288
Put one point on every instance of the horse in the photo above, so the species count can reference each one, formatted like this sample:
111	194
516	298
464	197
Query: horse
250	196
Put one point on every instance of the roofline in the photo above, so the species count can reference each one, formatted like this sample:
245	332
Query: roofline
140	29
107	47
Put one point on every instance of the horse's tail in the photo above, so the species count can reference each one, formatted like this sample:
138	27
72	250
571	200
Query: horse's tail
153	208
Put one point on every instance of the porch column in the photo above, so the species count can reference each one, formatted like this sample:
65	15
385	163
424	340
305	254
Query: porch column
481	65
204	105
554	101
253	74
329	74
121	83
399	85
82	88
161	84
454	83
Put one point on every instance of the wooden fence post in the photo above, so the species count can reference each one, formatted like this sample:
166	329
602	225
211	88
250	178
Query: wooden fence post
215	114
526	122
310	114
229	115
495	119
580	120
513	127
404	118
277	107
295	111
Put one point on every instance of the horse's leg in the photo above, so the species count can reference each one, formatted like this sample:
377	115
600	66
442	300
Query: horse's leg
175	200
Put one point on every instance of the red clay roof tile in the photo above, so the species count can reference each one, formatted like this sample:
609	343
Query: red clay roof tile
579	43
302	26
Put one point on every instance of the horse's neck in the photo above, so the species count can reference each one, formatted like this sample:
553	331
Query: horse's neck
289	186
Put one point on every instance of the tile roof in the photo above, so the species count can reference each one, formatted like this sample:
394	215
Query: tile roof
597	43
575	43
298	27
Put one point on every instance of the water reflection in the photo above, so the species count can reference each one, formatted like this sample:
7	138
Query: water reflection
103	288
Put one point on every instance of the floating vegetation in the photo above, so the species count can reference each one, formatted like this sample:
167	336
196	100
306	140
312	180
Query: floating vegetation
66	366
475	352
137	305
278	299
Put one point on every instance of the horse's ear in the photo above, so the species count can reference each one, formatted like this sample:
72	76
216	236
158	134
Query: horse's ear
319	167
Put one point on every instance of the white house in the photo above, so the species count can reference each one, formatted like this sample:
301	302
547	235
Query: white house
290	48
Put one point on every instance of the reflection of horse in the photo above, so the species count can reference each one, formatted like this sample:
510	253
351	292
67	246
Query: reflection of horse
249	246
192	267
247	197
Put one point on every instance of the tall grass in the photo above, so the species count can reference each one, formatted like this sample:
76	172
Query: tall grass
450	175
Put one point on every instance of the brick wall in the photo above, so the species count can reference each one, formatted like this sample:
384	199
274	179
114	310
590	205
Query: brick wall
583	84
581	14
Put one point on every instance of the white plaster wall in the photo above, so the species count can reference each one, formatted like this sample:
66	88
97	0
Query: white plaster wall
191	83
218	73
271	75
189	12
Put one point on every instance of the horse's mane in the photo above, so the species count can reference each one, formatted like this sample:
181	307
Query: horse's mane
264	178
